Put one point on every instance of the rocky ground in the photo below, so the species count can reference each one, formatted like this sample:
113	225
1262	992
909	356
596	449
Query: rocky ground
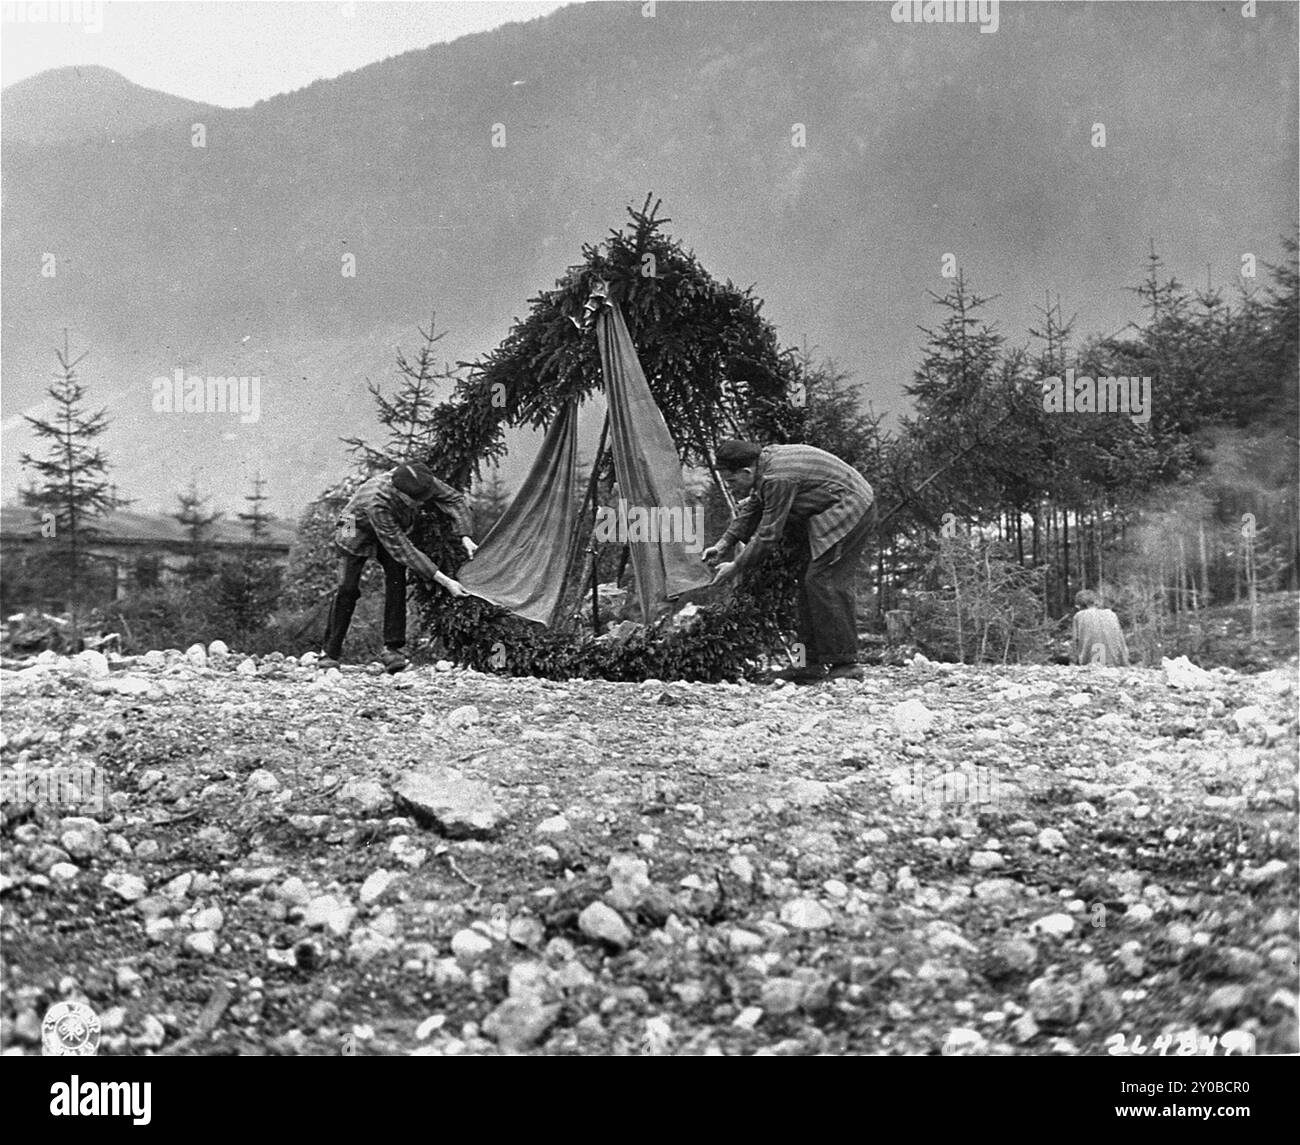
940	859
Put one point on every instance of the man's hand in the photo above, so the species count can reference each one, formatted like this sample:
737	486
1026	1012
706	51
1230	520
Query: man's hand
470	547
724	575
712	555
452	586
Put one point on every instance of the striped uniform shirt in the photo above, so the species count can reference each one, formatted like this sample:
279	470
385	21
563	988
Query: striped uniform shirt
379	513
798	483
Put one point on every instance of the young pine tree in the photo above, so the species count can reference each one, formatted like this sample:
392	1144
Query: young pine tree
257	518
407	416
71	488
197	524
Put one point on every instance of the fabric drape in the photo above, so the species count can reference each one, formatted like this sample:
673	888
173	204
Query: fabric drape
647	468
523	563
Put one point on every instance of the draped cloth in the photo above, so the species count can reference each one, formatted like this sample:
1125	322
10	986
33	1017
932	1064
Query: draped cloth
525	562
648	469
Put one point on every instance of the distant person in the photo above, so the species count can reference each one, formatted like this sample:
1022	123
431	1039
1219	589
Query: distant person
1098	638
377	522
827	497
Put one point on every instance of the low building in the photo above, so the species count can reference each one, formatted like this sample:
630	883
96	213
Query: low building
135	551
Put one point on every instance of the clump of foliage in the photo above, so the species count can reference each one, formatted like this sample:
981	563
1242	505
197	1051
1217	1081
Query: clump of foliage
716	370
985	605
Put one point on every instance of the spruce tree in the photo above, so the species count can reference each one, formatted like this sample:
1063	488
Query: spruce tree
407	415
198	528
257	519
72	488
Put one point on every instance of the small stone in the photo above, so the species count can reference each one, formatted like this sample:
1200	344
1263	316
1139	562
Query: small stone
744	941
1054	1001
1025	1028
294	892
246	667
961	1043
526	931
1130	961
377	882
1054	925
469	945
130	888
1014	956
64	872
262	782
748	1018
742	868
996	890
601	923
366	795
528	978
1225	999
630	877
573	975
81	837
152	1034
1269	871
1051	840
805	914
555	825
461	808
202	942
463	717
91	663
218	650
986	860
1139	914
429	1026
912	719
327	911
209	919
197	655
367	943
1249	716
520	1022
782	995
156	929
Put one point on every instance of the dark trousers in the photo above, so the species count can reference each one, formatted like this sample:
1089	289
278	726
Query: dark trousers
345	601
827	604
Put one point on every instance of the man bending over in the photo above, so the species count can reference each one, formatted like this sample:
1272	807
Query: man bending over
802	485
377	522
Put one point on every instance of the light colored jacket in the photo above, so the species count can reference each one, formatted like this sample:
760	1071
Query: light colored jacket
1098	638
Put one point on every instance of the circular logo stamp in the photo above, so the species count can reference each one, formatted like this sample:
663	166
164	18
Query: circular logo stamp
70	1029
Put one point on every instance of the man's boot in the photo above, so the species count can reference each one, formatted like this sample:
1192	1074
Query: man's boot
847	671
392	660
811	674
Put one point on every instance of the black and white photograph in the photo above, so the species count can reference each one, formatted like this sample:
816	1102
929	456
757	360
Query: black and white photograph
651	528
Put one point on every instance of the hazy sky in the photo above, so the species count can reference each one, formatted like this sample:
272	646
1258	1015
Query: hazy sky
231	53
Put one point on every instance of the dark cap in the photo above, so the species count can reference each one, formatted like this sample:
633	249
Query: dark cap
735	454
413	479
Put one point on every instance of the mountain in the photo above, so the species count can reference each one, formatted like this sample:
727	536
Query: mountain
230	258
71	105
